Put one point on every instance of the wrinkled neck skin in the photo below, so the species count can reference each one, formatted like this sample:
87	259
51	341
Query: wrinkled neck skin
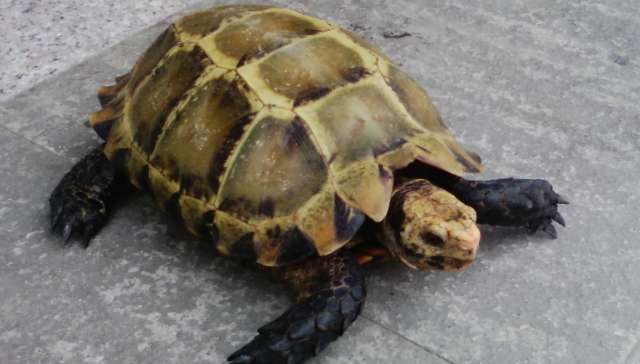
428	228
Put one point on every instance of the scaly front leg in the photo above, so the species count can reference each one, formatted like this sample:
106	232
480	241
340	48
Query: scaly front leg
512	202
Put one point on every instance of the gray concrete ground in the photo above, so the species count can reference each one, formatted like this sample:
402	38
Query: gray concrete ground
42	38
540	88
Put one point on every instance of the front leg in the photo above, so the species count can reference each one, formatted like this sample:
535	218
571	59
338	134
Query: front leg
331	295
513	202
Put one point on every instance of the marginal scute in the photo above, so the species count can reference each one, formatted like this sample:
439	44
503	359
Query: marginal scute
210	123
230	230
102	121
435	152
365	185
172	207
150	106
163	189
271	234
346	220
277	165
106	94
128	162
328	221
469	160
366	45
138	169
208	227
245	248
112	100
191	213
294	247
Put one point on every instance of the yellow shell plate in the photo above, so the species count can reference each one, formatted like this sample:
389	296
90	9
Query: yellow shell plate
270	132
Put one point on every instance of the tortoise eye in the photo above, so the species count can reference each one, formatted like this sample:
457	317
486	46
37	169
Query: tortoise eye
432	239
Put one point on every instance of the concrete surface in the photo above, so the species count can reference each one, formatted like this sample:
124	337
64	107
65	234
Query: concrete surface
42	38
540	88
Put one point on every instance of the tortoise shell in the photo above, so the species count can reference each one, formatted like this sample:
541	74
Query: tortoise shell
270	132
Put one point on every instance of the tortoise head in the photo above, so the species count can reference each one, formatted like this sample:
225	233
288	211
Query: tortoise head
429	228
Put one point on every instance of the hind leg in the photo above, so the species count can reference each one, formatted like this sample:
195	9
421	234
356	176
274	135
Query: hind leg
80	203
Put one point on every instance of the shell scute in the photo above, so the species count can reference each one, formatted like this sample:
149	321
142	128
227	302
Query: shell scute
366	185
159	94
371	123
152	56
245	248
231	231
163	190
328	221
308	69
294	247
211	121
353	136
258	34
197	217
436	146
415	99
275	171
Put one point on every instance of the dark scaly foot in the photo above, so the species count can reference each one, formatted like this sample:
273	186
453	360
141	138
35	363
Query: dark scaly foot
513	202
80	202
331	295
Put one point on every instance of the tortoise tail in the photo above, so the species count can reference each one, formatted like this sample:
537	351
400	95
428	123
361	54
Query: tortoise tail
322	315
111	99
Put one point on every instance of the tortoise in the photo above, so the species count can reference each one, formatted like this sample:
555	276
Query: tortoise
298	147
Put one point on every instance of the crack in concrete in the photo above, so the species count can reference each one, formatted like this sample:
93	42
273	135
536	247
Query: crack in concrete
427	349
23	137
634	355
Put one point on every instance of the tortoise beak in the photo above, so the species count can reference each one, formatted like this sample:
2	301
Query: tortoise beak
466	243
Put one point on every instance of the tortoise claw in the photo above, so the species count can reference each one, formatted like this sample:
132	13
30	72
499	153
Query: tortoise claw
547	226
77	217
67	231
551	230
561	200
559	219
55	222
55	218
86	237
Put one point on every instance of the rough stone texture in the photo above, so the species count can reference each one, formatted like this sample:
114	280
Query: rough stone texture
42	38
539	88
